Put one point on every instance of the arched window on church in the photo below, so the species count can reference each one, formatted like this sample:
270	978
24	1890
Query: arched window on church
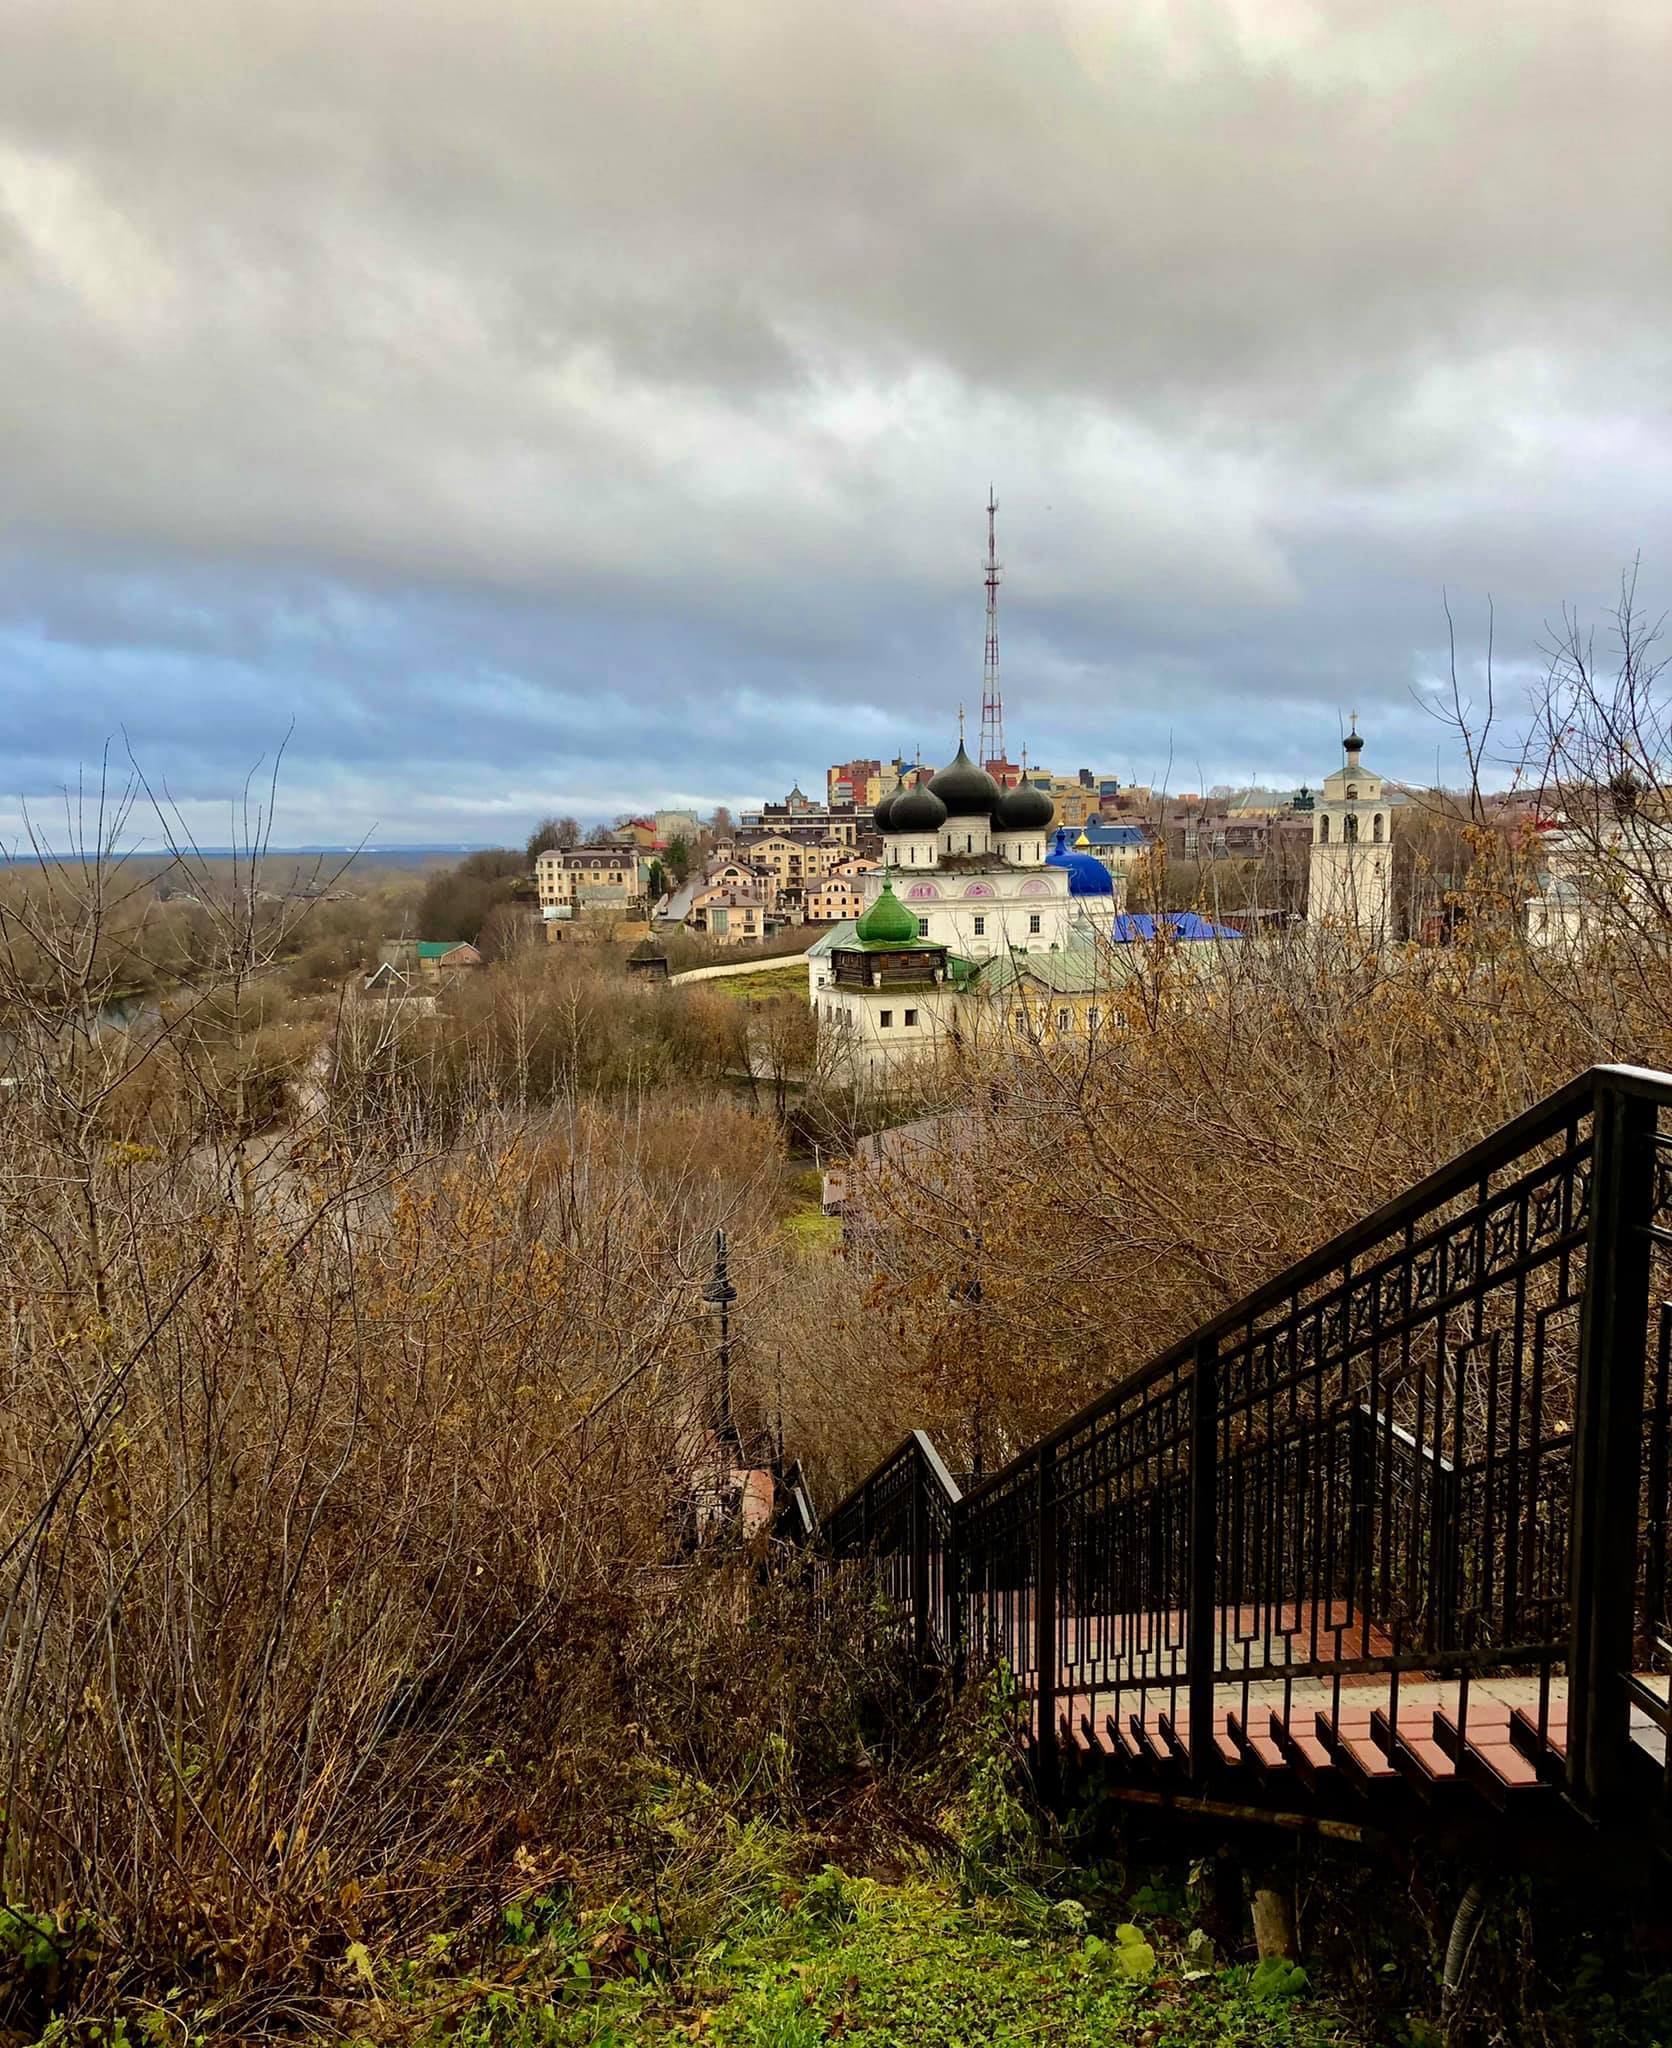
1376	828
1349	829
1323	830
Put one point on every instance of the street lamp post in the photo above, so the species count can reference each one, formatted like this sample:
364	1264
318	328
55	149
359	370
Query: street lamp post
966	1294
718	1297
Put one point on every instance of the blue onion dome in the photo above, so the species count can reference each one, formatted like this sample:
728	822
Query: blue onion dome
919	810
882	815
1025	809
1087	876
966	790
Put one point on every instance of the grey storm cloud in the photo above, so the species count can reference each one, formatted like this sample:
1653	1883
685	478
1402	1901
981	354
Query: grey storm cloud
582	404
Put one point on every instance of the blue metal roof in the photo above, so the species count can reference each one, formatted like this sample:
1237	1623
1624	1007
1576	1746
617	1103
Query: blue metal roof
1099	834
1178	924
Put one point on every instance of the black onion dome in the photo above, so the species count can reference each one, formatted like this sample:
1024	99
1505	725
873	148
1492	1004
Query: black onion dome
1025	809
884	811
919	810
966	790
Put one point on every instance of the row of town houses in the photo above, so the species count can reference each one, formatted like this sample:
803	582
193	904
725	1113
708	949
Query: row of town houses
805	862
744	887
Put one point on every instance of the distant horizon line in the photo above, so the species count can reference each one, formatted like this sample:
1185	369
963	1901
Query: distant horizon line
318	851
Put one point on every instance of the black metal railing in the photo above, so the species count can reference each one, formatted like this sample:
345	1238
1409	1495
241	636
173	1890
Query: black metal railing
903	1516
797	1520
1406	1454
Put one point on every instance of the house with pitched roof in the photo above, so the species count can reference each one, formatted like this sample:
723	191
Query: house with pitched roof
419	967
733	912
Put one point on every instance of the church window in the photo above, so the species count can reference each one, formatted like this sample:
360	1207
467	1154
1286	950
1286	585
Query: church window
1323	830
1094	1017
1376	828
980	927
1033	921
969	842
1349	829
1062	1020
1021	1020
885	1019
911	1019
922	927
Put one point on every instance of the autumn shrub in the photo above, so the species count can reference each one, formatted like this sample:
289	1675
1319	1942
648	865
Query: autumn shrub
341	1515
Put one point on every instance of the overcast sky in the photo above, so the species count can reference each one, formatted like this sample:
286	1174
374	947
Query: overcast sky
584	404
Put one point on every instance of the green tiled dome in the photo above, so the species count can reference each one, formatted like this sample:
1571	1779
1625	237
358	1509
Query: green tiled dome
888	922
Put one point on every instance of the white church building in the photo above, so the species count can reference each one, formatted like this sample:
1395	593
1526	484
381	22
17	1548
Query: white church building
968	859
968	877
974	901
1350	870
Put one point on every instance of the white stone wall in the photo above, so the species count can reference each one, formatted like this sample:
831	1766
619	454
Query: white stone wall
851	1024
1022	849
1350	875
906	851
967	837
980	913
1350	888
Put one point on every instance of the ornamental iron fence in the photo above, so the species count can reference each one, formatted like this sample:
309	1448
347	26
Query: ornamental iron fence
1437	1450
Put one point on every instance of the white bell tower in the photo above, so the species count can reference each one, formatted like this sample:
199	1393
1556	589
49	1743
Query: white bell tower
1350	884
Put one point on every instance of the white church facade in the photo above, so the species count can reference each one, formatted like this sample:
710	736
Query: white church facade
968	859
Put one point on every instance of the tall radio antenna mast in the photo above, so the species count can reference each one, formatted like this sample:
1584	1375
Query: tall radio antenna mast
992	698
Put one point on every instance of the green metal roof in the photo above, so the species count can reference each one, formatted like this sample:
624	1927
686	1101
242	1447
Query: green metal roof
888	922
438	949
1070	970
839	937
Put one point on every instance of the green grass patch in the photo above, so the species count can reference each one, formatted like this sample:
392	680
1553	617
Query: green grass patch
759	988
808	1227
908	1965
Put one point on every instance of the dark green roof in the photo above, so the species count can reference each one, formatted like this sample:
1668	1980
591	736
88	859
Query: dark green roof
438	949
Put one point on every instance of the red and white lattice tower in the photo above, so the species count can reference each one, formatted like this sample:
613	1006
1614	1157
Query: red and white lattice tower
992	698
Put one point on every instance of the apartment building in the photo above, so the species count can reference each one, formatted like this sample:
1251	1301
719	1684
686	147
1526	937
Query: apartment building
834	899
730	912
806	821
572	880
794	863
1120	847
848	783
